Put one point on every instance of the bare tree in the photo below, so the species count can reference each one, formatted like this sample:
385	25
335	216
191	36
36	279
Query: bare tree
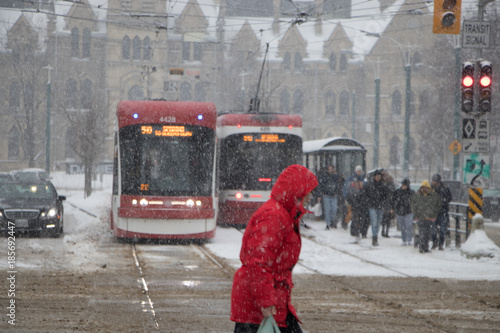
26	88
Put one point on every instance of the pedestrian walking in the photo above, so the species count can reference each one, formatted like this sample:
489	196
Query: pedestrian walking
357	199
388	215
270	249
377	193
425	205
443	220
401	203
329	184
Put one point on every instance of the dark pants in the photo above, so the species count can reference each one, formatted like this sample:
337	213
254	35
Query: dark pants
386	222
424	231
441	226
359	223
291	323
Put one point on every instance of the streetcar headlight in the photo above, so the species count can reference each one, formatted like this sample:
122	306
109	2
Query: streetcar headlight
143	202
134	202
190	203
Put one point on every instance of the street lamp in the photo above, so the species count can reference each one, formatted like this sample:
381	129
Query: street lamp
47	128
406	142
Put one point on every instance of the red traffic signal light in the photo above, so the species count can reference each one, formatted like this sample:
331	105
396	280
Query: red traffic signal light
447	17
467	81
485	78
467	86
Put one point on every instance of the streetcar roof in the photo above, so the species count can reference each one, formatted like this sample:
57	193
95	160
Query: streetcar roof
329	144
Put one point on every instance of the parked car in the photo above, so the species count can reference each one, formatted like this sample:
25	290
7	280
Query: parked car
30	174
31	206
5	177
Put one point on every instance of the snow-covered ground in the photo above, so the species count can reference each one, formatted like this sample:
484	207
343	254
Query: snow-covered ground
329	252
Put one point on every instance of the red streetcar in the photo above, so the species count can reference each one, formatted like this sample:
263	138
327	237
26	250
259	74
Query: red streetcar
164	171
254	148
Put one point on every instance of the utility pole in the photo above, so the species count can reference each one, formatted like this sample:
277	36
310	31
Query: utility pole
406	147
47	129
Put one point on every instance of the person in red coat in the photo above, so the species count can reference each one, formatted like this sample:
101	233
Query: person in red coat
270	249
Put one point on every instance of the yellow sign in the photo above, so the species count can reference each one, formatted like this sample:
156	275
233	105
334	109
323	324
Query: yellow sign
455	147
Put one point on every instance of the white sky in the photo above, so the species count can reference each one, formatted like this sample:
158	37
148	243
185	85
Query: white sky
332	252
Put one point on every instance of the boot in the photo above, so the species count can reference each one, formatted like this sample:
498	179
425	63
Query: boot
374	241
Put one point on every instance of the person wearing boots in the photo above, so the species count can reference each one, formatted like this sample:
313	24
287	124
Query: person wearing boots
443	219
356	197
388	211
377	194
425	205
402	208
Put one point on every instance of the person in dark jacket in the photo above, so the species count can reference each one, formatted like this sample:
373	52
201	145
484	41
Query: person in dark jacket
329	184
443	218
401	204
388	211
270	249
357	199
425	205
377	194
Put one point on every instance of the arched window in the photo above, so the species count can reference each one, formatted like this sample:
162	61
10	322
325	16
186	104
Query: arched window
75	43
14	145
197	51
412	151
344	103
330	101
287	59
15	97
71	94
29	96
413	103
343	62
86	39
396	103
136	48
136	94
333	62
199	92
394	150
126	48
146	45
297	63
87	94
298	102
284	101
69	143
424	105
185	93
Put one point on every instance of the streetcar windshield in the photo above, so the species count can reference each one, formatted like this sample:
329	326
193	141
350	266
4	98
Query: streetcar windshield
253	164
158	160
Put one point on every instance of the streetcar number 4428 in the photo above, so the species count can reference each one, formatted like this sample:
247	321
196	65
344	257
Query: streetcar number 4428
168	119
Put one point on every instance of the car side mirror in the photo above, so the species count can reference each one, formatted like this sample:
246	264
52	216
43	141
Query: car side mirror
62	197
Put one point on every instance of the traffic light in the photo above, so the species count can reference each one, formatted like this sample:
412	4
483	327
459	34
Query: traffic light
485	79
467	86
447	17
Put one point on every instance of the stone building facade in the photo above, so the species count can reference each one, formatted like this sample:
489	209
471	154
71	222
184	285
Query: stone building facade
314	59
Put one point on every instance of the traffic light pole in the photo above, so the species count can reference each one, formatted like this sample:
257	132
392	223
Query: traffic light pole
458	67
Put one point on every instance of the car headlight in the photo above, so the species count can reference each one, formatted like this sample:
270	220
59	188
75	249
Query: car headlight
50	213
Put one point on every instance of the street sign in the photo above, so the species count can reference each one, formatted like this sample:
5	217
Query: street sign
476	170
475	135
455	147
476	34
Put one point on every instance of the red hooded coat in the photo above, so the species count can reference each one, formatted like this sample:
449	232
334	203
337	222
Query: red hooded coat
270	249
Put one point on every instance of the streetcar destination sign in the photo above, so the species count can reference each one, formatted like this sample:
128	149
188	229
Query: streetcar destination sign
476	34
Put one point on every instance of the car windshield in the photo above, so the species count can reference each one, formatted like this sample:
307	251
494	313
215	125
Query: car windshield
26	191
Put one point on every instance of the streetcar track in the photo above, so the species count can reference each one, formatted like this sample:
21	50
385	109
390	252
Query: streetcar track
145	287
